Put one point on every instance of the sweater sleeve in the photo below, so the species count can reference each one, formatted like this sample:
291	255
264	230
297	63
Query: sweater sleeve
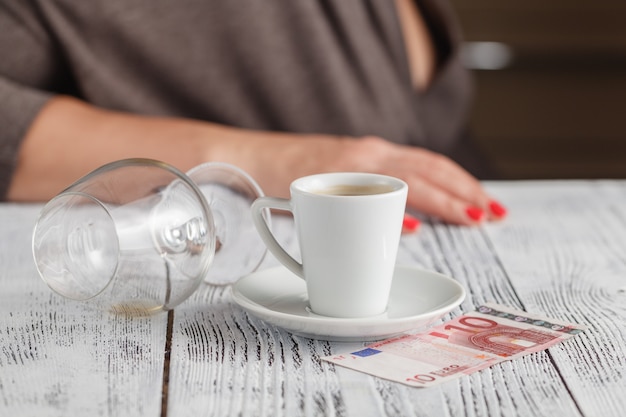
19	106
30	67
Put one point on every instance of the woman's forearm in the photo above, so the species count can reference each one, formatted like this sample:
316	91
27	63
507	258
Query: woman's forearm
69	138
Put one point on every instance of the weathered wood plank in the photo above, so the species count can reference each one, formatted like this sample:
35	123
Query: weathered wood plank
564	250
60	358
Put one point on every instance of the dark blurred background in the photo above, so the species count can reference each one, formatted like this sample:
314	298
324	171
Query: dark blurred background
551	85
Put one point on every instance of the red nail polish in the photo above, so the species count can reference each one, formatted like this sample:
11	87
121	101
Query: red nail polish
410	223
497	209
475	213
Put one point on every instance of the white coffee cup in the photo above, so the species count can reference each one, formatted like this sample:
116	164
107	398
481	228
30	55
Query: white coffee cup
348	227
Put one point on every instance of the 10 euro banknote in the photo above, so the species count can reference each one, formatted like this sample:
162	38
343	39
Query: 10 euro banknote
464	345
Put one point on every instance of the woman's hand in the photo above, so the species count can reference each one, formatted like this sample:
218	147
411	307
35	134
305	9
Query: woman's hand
437	185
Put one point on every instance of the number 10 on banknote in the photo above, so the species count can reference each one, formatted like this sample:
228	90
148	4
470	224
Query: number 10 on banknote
467	344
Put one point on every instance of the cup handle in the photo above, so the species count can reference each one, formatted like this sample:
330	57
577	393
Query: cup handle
272	244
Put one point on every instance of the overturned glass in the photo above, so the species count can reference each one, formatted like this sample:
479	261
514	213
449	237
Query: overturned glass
138	236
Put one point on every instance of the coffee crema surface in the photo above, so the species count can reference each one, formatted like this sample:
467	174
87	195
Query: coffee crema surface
353	189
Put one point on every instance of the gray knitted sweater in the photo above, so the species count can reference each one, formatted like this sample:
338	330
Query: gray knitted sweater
323	66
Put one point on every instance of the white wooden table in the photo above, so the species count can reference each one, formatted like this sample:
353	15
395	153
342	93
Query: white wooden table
561	253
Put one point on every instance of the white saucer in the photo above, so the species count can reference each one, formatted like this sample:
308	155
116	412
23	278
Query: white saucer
418	298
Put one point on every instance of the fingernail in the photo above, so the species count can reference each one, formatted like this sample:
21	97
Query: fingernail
497	209
410	223
474	213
